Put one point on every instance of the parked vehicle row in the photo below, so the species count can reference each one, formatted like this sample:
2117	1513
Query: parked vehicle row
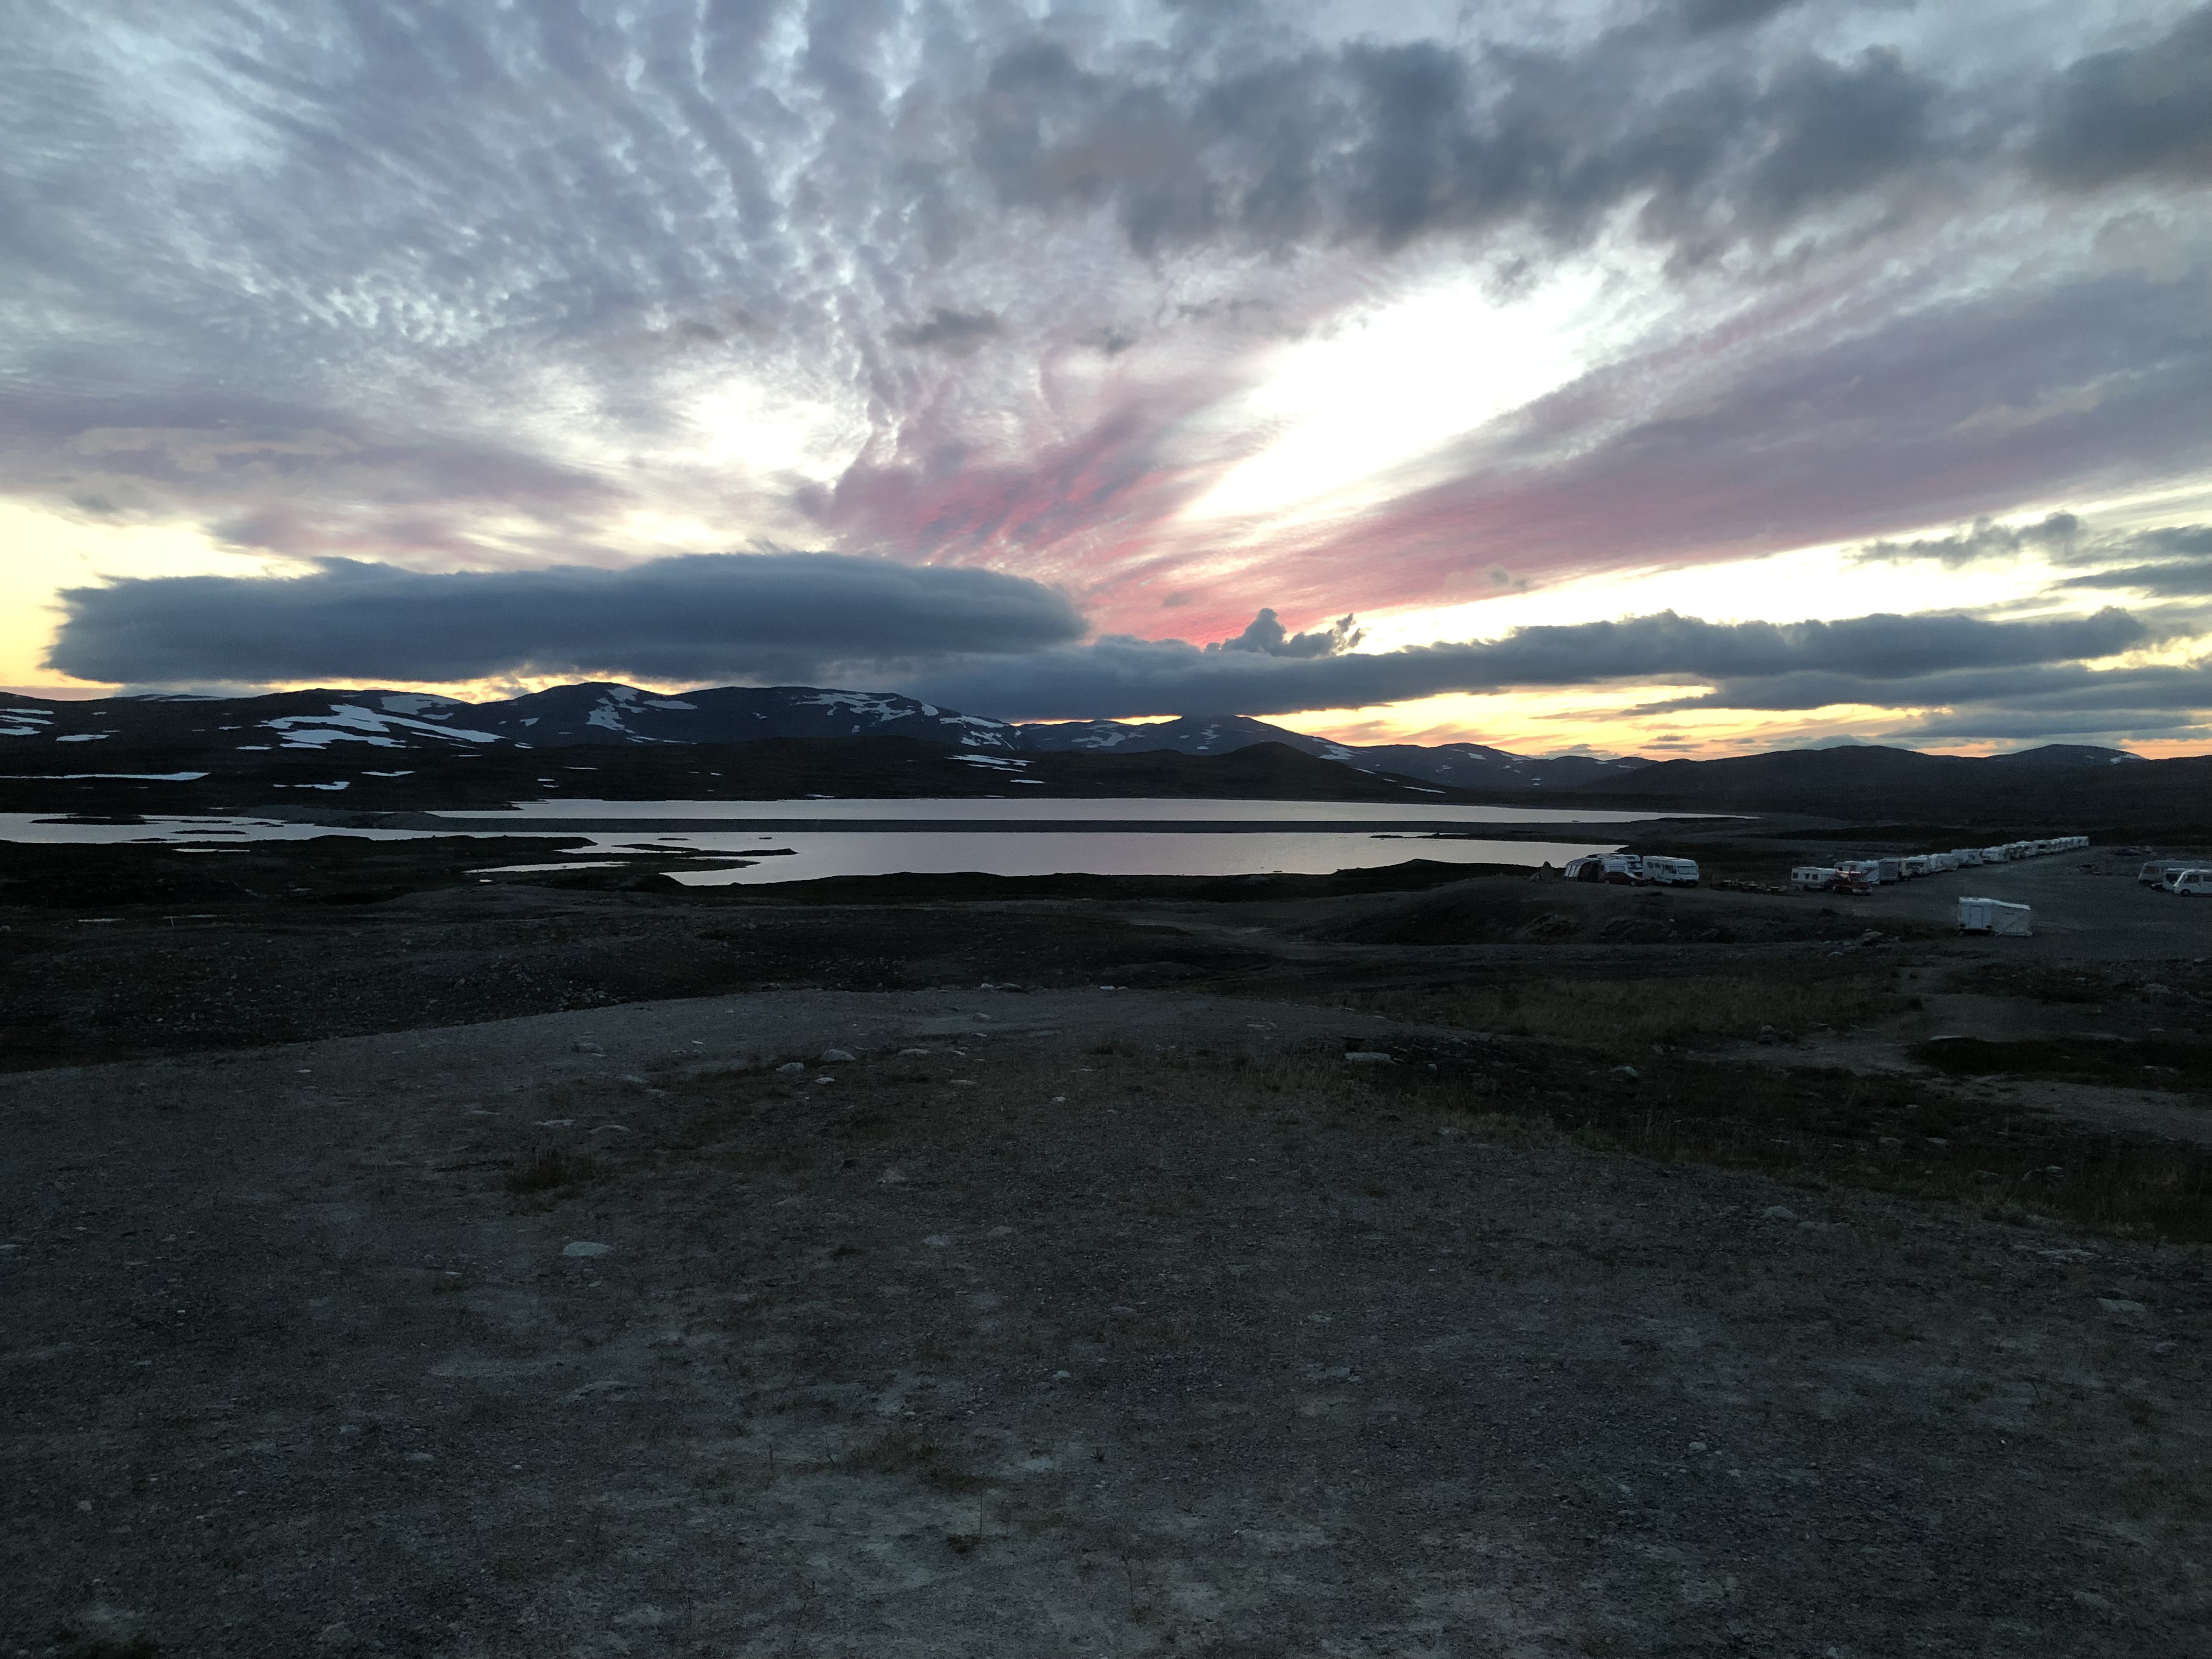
1864	875
1633	869
2191	878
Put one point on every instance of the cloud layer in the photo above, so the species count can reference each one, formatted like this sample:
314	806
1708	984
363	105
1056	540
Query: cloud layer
1879	659
512	298
786	616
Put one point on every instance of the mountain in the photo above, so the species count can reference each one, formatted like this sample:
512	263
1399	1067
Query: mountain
592	713
598	713
1866	782
1475	766
1461	765
2070	754
1191	734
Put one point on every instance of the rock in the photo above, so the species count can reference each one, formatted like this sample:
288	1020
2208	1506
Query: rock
584	1247
1369	1057
594	1390
631	1077
2120	1307
791	1065
1626	1073
832	1056
1780	1213
914	1054
588	1048
1889	1143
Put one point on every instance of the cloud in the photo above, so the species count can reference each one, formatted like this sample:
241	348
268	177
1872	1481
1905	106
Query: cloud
1389	143
2052	686
1266	636
2170	560
2140	111
949	331
2183	569
1878	420
1121	676
703	616
2055	533
1704	15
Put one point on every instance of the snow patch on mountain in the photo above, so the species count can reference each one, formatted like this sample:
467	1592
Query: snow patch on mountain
349	722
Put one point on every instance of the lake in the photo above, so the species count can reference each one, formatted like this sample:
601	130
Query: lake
1001	809
807	840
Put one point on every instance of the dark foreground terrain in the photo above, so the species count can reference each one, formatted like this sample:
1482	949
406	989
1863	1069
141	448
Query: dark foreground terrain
400	1262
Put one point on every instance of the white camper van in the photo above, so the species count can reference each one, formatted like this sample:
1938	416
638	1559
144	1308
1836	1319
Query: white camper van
1621	869
1813	878
2190	884
1670	872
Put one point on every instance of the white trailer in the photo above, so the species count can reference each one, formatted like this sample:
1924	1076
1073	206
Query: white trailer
1813	878
1996	916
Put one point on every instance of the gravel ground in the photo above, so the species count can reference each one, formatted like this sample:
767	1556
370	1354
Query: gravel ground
1121	1323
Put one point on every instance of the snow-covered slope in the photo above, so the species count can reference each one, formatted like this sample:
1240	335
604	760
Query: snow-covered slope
594	712
1463	765
1193	734
601	713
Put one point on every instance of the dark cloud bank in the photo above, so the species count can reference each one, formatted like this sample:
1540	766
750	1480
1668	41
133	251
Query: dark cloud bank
998	645
1880	656
705	615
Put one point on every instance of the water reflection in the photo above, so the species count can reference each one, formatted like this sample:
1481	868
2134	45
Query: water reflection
811	855
1055	852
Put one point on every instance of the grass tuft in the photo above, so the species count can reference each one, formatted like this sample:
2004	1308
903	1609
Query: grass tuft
547	1168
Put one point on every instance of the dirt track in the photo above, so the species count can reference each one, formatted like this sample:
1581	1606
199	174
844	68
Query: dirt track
1211	1344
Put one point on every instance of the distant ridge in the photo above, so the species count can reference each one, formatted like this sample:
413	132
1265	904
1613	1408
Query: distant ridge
2052	783
2068	754
1868	782
603	713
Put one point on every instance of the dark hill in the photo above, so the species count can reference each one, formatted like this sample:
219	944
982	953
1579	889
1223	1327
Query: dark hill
352	782
2070	754
1875	783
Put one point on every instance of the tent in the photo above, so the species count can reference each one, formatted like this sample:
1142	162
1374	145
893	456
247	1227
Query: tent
1989	916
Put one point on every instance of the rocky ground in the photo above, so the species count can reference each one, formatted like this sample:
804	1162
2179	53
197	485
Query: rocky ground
515	1270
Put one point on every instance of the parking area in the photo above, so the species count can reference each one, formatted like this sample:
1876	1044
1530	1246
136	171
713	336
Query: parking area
2085	904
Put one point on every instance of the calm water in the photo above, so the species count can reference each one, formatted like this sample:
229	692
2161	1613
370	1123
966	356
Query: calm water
810	854
1030	810
1075	852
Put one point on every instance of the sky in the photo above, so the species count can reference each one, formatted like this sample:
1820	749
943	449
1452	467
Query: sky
1674	376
